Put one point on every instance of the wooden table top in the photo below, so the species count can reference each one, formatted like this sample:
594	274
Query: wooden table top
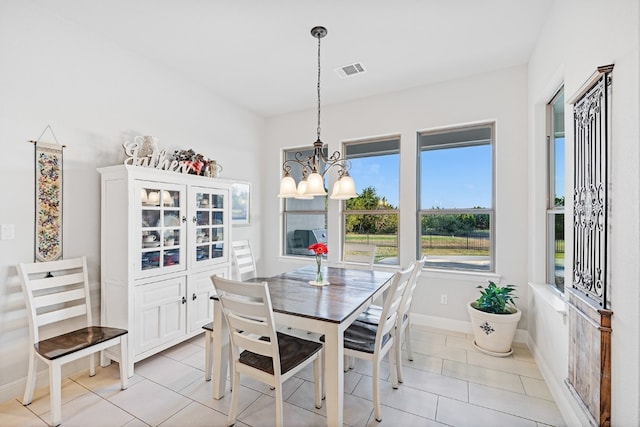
292	294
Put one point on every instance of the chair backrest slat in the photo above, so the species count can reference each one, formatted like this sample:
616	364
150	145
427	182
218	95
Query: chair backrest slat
251	309
245	270
56	281
56	291
254	344
58	298
59	315
45	267
244	324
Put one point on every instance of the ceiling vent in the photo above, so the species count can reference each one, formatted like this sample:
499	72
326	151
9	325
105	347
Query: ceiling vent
350	70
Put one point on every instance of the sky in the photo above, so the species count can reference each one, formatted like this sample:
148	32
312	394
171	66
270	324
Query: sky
559	165
451	178
456	178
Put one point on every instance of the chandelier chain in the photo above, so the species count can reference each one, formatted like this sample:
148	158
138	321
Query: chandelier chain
318	130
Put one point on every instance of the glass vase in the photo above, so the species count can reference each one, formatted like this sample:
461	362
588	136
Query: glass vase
319	278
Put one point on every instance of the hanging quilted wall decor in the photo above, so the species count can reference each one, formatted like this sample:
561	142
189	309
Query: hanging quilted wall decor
48	201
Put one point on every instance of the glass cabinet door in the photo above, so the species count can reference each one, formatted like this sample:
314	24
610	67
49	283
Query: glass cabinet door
209	226
162	222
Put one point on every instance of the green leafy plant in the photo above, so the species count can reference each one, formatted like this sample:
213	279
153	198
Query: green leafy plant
496	299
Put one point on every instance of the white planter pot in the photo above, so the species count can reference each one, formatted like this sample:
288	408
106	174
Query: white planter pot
493	333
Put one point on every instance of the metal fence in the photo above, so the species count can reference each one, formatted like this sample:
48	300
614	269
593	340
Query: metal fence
472	241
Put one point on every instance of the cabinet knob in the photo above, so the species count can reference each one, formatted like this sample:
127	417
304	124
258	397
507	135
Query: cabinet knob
184	218
184	300
194	219
193	297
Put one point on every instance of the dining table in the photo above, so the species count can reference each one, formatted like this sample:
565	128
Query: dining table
326	310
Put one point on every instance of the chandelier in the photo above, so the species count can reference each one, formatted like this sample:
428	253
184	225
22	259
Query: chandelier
315	167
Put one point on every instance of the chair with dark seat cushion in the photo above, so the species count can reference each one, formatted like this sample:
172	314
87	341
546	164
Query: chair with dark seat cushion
56	292
373	342
268	356
372	315
244	268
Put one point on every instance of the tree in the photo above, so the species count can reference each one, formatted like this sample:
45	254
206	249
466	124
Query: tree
370	224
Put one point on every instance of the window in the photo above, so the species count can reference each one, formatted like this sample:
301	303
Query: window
455	198
305	220
372	217
556	193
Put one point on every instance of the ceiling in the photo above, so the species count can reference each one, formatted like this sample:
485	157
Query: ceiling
260	54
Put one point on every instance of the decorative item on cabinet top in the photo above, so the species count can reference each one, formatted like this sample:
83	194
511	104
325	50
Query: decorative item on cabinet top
144	151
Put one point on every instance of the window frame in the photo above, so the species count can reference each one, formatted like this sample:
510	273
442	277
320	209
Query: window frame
344	212
553	210
491	211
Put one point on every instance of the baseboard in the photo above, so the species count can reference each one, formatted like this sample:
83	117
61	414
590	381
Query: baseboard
15	389
457	325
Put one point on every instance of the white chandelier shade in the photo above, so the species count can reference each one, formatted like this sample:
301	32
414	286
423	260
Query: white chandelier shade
344	189
315	185
288	187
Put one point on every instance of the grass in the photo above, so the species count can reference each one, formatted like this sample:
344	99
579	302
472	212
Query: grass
387	245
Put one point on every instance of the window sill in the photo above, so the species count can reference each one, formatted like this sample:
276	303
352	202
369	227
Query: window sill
554	299
477	276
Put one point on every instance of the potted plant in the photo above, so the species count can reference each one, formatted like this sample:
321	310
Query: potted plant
494	317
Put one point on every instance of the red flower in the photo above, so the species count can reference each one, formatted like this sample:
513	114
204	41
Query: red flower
318	248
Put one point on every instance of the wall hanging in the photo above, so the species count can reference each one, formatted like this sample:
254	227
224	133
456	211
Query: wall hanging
48	198
589	373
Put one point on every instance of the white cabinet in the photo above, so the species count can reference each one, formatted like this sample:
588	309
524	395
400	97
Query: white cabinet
163	235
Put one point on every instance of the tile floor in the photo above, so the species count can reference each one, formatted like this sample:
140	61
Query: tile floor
449	383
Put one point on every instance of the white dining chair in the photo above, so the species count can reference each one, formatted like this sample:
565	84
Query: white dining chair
268	356
403	327
244	268
56	292
361	254
244	264
373	342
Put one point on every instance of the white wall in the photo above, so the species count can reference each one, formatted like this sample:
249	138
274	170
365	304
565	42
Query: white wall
499	97
580	36
94	95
